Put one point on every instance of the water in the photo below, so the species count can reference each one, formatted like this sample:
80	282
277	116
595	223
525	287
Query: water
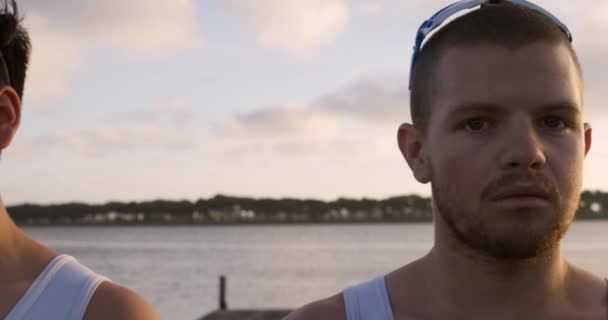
177	268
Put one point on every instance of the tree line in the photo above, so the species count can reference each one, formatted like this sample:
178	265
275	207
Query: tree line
223	209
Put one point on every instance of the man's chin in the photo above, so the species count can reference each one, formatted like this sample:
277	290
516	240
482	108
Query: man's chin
516	241
511	234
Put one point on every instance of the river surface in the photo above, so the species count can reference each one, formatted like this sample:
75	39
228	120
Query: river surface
176	268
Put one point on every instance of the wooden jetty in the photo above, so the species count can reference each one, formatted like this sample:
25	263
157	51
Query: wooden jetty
224	314
247	315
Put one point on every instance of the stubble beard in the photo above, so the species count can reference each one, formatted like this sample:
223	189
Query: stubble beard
506	236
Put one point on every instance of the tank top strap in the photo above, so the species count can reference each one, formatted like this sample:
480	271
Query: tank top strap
368	301
606	279
63	290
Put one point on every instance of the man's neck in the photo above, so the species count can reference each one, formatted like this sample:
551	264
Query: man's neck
459	283
467	278
21	261
8	237
20	256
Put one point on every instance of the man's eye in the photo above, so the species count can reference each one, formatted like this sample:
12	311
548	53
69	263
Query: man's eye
554	123
476	124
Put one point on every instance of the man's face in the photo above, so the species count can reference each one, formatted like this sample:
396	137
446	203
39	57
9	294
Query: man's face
505	147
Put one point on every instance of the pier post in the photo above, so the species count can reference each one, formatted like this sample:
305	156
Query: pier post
223	305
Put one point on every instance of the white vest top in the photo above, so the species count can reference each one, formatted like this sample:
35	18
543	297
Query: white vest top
61	292
368	301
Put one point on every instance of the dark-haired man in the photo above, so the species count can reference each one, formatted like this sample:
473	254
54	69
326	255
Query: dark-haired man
496	103
36	282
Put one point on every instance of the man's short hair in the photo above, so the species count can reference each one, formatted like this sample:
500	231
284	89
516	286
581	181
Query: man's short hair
14	45
506	25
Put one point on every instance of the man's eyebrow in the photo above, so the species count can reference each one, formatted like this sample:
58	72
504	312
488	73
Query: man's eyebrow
561	106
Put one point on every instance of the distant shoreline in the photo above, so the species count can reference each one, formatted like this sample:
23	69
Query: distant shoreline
227	210
256	224
227	224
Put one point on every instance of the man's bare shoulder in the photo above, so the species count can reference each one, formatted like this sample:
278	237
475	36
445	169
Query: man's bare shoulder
111	301
331	308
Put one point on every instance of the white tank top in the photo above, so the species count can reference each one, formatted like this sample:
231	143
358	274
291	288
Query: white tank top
368	301
61	292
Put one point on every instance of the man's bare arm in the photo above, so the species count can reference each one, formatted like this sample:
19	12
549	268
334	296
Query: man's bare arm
112	301
331	308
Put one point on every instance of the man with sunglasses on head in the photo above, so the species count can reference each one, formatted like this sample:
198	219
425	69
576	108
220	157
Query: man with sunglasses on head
496	105
37	283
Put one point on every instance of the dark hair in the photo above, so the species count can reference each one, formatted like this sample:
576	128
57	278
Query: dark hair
507	25
14	45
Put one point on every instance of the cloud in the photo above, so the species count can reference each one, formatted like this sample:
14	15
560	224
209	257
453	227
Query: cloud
143	27
600	14
54	59
376	102
175	110
24	150
268	150
594	65
280	122
382	102
371	8
62	30
340	146
101	141
293	25
356	122
163	124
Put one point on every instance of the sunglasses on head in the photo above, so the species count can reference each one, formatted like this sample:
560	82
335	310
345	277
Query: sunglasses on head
438	18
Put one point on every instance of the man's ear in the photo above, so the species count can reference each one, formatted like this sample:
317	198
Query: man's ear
588	131
412	146
10	115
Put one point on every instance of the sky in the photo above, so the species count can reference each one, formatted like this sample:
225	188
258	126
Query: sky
185	99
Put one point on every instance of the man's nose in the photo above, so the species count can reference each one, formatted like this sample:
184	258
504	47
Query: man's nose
522	147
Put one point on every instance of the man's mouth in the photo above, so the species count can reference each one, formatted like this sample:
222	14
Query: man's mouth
521	197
